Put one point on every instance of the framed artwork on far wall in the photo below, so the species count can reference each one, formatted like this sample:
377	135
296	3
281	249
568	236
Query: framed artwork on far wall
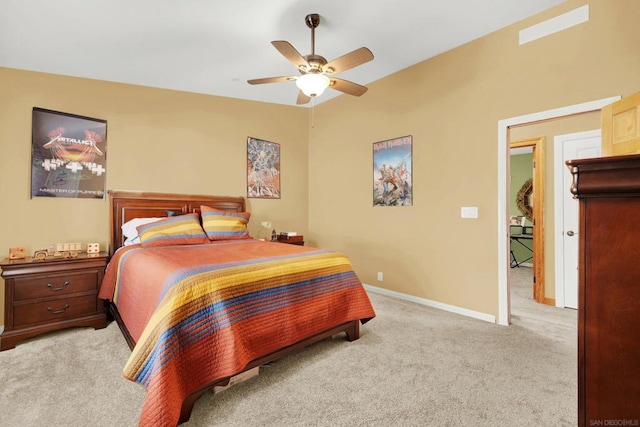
68	155
263	169
392	172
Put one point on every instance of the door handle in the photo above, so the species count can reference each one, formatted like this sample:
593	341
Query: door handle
570	233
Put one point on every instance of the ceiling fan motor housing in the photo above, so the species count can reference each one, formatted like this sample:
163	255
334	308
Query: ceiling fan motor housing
316	63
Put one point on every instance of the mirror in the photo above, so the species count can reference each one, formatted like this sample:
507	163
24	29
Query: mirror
524	199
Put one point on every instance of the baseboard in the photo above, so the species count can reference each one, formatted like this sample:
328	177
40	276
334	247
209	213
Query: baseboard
434	304
525	264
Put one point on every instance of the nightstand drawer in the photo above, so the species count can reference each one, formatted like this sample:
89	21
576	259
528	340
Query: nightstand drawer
52	285
54	309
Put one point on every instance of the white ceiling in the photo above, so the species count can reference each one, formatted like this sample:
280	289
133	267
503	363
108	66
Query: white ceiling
214	47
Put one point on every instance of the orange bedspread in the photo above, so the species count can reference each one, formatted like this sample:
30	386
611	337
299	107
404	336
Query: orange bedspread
202	312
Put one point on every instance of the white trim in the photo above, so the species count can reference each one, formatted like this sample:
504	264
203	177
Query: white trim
434	304
558	193
503	190
1	329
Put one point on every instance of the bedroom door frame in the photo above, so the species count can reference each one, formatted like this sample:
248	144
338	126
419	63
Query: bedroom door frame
504	288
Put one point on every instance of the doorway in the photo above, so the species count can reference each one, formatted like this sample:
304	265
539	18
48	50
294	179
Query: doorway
504	309
537	205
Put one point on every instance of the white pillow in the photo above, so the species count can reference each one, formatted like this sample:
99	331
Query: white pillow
128	242
130	232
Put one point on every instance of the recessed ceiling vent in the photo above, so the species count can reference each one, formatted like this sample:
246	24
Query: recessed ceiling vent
555	25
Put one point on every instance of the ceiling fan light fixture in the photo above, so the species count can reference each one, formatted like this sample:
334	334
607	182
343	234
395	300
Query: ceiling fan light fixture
313	84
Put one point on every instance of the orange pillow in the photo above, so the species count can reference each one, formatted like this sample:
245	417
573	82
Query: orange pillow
175	230
224	225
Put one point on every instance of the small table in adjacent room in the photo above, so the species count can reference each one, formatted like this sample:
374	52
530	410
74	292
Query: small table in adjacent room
520	238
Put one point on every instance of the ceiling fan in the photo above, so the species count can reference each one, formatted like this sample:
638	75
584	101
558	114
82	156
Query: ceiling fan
316	74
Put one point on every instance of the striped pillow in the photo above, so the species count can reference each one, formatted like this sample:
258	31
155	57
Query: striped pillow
175	230
224	225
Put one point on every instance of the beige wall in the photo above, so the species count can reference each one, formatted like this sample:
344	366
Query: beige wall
158	140
450	104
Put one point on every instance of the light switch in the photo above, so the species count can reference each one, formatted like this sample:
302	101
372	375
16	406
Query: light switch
469	212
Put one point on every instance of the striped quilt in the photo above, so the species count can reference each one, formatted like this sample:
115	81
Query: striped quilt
202	312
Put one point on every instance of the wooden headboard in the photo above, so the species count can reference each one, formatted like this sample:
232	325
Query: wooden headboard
127	205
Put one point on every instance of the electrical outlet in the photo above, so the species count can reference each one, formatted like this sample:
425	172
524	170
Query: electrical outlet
379	276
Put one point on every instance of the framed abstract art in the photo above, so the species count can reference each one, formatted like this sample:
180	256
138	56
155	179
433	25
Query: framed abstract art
263	169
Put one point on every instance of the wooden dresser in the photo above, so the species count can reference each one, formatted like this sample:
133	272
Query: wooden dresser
51	294
608	190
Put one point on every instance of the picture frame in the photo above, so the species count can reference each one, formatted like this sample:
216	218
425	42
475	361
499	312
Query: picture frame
68	155
517	220
393	172
263	169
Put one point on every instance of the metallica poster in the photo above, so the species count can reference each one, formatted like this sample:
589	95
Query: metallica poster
68	155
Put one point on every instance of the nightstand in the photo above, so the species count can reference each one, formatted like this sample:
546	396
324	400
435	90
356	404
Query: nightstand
51	294
292	240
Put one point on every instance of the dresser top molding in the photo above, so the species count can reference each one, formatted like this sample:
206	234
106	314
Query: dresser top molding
605	176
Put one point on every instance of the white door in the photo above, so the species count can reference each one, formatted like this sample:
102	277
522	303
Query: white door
568	147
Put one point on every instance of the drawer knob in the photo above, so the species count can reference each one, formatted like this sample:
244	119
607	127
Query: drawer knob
53	288
53	311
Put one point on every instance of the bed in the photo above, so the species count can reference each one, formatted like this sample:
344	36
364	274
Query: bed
197	313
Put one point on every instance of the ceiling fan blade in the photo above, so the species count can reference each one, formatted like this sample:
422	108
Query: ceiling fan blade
347	87
290	52
349	60
270	80
302	98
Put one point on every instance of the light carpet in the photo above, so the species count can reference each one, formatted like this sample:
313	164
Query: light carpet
412	366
